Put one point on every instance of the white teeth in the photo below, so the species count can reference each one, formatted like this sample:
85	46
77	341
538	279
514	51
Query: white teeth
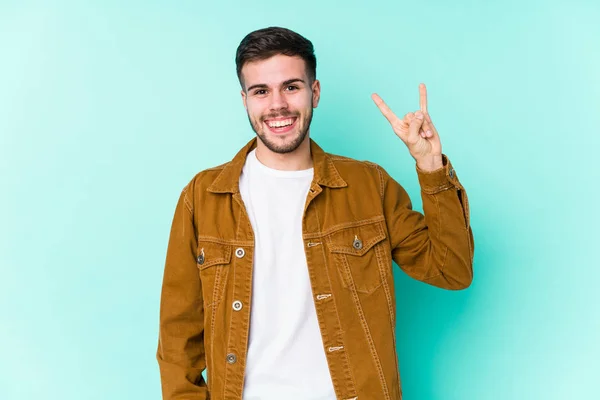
280	124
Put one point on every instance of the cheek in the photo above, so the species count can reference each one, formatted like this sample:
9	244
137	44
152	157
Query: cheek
300	104
254	111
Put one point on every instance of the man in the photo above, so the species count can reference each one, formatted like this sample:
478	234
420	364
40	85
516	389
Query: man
278	277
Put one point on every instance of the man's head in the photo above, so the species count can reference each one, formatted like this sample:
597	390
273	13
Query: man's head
276	68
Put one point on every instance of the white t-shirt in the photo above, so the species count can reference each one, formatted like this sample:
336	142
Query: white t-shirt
286	356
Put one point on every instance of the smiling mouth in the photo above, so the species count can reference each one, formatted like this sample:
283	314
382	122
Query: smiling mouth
282	125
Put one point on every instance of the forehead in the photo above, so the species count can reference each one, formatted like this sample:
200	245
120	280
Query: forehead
274	70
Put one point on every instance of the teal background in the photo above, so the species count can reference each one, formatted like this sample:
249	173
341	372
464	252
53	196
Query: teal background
108	108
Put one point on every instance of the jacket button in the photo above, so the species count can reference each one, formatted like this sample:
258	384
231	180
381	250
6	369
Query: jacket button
237	305
357	244
200	259
239	252
231	358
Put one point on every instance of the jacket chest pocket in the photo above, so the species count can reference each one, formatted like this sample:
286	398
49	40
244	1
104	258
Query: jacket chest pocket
359	256
213	260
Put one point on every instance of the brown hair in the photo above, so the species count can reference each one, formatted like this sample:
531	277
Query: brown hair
268	42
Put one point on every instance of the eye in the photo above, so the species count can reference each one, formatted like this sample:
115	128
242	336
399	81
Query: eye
260	92
292	88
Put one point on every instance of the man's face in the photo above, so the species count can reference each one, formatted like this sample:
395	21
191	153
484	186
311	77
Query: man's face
279	100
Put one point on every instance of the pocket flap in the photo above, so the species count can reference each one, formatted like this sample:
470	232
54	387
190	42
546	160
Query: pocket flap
212	253
357	240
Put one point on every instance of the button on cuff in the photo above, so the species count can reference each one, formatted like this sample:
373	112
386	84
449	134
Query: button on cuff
441	179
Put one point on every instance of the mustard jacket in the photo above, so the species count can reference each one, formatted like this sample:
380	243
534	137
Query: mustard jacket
357	220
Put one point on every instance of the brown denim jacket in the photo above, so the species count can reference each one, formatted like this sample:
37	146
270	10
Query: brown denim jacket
357	220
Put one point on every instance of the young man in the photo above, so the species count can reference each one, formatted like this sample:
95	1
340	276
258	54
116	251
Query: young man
278	277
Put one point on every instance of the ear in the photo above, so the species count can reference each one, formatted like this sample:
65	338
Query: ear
316	92
244	98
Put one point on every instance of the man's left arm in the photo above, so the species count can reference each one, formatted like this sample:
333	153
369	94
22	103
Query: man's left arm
436	247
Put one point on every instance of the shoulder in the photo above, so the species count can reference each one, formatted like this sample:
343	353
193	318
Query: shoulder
203	179
347	166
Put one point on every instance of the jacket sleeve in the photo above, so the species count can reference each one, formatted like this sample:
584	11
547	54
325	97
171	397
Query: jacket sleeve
180	354
436	248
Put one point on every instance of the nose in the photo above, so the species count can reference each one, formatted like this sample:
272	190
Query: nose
278	101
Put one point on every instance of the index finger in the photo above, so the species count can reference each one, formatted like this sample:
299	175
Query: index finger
423	97
385	110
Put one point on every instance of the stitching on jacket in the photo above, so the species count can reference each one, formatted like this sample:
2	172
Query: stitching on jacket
216	287
366	329
366	246
366	163
340	227
186	201
437	205
388	295
438	189
386	288
467	209
381	184
239	217
233	264
443	263
337	315
381	265
212	330
225	242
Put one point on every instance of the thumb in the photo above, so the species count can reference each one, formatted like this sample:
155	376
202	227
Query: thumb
414	127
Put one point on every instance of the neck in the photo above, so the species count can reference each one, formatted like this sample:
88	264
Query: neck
299	159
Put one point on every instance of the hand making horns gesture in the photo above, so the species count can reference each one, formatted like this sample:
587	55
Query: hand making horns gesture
416	131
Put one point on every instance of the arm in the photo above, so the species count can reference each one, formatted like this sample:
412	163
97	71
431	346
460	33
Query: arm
180	354
436	248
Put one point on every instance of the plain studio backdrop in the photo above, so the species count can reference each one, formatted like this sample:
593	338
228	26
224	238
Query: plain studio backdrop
108	108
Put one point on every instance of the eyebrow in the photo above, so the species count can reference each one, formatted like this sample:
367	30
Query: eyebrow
285	83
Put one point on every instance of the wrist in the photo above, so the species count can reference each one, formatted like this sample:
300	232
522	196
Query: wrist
430	163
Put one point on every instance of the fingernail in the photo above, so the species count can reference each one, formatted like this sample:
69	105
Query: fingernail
419	116
429	133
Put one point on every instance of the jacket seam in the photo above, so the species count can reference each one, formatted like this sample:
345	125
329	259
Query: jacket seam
224	242
365	326
437	189
340	227
385	285
212	328
187	202
226	372
335	308
381	184
443	264
386	289
437	206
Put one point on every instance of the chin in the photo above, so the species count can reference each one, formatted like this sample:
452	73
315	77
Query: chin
282	144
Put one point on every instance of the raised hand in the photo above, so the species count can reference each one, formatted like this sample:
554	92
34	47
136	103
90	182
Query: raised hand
416	131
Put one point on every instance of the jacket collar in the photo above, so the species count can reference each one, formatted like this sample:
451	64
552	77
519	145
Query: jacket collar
325	172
